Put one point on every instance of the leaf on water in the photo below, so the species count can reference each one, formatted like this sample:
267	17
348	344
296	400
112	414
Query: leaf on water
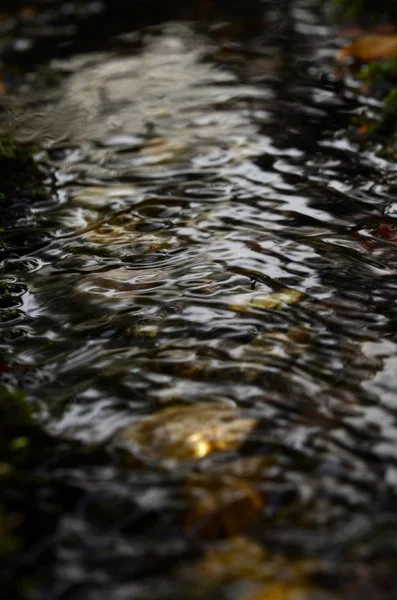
183	433
243	302
370	47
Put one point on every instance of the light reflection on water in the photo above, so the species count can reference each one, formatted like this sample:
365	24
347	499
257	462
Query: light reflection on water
214	240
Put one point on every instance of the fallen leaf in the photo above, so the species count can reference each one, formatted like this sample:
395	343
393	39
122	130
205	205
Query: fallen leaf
187	432
387	232
370	47
363	129
243	302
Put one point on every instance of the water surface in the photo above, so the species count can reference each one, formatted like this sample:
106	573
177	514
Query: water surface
211	235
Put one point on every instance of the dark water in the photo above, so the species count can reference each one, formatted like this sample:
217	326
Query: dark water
210	238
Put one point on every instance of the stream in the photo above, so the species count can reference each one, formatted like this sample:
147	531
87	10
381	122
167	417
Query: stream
204	306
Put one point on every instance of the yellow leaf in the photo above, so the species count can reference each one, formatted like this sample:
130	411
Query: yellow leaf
187	432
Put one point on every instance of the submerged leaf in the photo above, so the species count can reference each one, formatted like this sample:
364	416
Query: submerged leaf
244	302
370	47
227	498
387	231
265	576
282	591
221	506
182	433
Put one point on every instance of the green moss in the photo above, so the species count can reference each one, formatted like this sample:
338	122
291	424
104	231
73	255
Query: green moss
376	10
19	443
9	149
9	542
348	8
386	124
19	172
13	408
9	315
378	71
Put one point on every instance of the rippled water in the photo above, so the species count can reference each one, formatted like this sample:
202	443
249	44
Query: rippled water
211	235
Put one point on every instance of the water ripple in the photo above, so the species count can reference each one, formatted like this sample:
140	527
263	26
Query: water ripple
214	237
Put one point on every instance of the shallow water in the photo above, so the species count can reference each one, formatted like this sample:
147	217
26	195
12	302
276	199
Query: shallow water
211	235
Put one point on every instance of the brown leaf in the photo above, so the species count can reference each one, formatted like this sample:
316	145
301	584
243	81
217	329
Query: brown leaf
370	47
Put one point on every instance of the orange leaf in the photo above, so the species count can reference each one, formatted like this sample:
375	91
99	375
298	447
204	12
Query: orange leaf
370	47
363	129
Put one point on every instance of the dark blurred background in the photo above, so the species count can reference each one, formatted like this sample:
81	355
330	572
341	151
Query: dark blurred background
34	32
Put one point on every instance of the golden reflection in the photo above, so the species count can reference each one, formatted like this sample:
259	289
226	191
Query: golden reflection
181	433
